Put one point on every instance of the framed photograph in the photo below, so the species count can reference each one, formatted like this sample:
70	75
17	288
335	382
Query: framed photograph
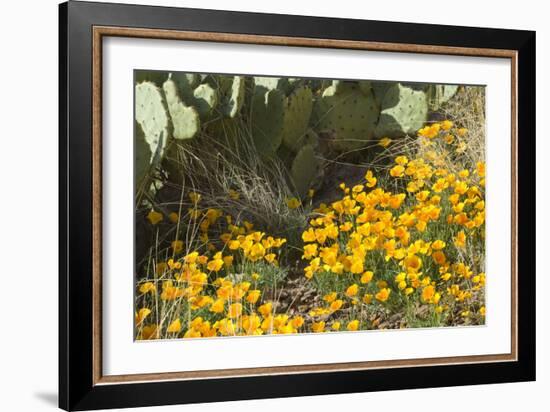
257	205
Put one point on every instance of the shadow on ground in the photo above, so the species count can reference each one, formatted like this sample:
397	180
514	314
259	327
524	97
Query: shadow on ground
49	398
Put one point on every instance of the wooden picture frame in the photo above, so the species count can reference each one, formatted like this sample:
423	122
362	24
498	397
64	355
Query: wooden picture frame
83	26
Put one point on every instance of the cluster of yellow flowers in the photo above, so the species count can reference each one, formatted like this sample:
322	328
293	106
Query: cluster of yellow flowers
199	295
400	250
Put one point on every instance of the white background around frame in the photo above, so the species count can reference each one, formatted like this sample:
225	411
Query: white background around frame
121	355
28	171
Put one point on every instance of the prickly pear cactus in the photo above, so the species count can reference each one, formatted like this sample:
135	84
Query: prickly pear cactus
439	94
267	119
379	90
365	86
304	169
185	119
232	91
152	116
202	96
349	111
296	118
403	111
153	76
143	156
271	83
205	99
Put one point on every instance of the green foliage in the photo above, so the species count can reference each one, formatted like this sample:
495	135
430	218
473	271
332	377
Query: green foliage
404	110
349	111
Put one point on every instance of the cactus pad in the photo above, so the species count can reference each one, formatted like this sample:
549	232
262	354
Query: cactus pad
403	111
143	156
349	112
439	94
266	119
304	169
205	99
271	83
232	92
152	116
296	118
185	119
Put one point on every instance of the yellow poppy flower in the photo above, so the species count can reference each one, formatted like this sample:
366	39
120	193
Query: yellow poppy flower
147	287
142	314
383	294
336	305
174	327
235	310
154	217
177	246
293	203
397	171
318	327
367	276
352	290
384	142
353	325
218	306
253	296
371	180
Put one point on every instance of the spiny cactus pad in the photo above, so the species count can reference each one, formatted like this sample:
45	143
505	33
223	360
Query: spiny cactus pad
304	169
296	118
232	90
365	86
185	119
267	119
157	77
379	90
143	155
205	99
404	110
439	94
349	112
271	83
151	114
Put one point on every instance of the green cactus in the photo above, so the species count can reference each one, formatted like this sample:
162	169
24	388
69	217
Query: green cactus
296	117
202	96
267	119
379	90
403	111
232	91
439	94
205	99
272	83
152	116
143	156
304	169
349	111
185	119
366	87
157	77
